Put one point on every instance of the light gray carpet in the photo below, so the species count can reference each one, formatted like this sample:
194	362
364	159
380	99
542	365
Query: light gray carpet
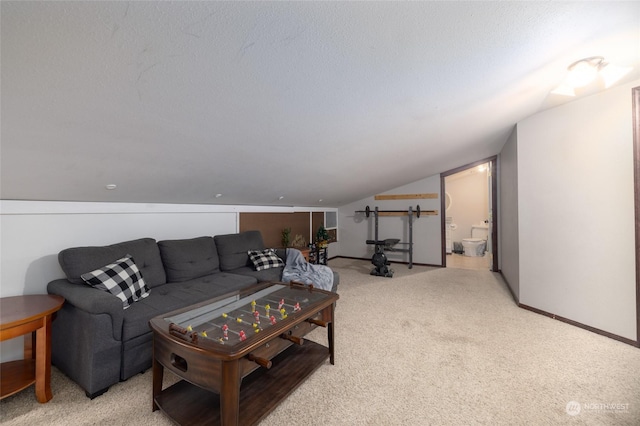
428	346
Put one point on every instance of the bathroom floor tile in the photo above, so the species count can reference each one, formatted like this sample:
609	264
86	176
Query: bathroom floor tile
460	261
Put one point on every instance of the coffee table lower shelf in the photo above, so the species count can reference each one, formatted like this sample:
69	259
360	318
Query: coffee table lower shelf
260	393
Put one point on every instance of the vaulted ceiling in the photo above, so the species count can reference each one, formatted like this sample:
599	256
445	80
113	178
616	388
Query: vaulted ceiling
278	103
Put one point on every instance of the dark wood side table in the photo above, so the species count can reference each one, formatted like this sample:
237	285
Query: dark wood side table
20	315
305	252
319	255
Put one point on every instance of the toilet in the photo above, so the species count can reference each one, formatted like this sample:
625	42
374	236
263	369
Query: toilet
477	244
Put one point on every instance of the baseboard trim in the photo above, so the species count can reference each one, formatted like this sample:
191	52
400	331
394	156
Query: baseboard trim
392	261
580	325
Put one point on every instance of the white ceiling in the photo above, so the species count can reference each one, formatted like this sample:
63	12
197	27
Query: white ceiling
178	101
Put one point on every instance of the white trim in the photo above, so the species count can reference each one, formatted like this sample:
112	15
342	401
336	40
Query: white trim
20	207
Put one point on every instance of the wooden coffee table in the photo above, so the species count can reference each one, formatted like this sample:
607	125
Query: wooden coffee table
20	315
237	365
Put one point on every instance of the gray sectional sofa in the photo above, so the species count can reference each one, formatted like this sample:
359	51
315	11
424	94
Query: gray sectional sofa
96	342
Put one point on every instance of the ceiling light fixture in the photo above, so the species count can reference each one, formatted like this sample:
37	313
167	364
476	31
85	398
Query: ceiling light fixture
111	186
585	71
218	195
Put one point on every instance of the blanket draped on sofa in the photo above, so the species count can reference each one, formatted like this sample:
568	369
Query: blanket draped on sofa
298	269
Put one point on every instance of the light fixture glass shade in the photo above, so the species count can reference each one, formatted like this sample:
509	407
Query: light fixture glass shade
612	73
564	90
581	74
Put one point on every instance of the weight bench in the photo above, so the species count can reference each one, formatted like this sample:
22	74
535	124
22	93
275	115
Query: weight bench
379	259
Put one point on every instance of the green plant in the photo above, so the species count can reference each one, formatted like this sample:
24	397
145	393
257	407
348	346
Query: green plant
286	237
322	234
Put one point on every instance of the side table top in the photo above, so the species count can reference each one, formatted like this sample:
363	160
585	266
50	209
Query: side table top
17	310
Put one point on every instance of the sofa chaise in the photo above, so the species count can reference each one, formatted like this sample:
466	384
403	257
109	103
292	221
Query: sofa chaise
99	339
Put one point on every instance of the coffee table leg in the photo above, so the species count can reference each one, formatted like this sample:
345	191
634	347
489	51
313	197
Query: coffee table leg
43	361
158	374
330	337
230	393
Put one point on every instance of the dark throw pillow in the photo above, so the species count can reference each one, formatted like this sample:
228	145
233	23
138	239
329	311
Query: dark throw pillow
121	278
265	259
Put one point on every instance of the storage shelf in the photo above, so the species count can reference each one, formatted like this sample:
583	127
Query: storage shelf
261	391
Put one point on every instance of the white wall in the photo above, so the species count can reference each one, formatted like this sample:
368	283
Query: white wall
576	212
32	233
355	229
509	246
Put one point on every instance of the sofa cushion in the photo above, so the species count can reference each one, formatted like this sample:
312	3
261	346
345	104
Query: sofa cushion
188	259
266	275
233	248
265	259
80	260
121	278
172	296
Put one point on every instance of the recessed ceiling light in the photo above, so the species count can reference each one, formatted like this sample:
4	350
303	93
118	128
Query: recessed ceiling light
281	197
111	186
218	195
320	200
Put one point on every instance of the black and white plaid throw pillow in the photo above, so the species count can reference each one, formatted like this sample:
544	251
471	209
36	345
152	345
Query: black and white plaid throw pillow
121	278
265	259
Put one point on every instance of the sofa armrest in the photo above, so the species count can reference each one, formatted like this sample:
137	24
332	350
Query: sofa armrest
90	300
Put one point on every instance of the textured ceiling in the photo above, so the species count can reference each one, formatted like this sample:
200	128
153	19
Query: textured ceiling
178	101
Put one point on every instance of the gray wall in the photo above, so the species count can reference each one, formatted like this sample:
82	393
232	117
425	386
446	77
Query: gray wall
576	211
508	247
355	229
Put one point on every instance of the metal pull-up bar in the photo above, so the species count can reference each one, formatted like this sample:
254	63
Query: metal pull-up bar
409	212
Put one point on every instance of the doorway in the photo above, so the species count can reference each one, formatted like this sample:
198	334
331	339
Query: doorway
469	205
636	189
